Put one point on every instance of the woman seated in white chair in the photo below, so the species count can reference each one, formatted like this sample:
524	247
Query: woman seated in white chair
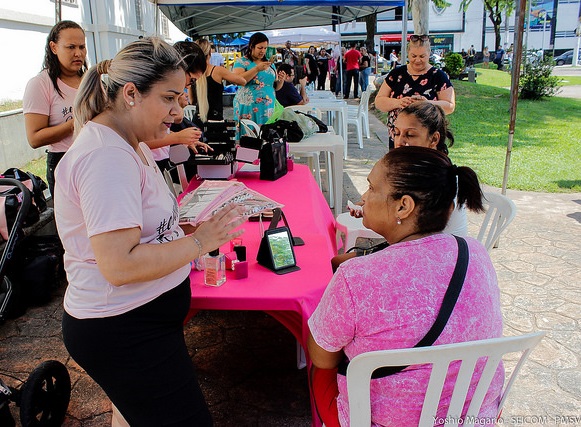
391	298
421	124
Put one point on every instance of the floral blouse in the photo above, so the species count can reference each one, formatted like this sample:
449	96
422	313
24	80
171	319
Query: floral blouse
255	100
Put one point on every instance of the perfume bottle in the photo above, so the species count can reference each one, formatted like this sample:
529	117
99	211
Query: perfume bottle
215	268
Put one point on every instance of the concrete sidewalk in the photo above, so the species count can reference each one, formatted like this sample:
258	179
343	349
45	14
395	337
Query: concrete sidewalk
247	362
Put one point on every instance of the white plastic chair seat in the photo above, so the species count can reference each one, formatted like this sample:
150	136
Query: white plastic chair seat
352	228
500	213
362	366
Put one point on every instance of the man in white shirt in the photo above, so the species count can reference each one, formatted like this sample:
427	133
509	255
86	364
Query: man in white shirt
216	58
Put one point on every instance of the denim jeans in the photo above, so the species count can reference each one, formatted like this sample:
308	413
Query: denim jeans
52	159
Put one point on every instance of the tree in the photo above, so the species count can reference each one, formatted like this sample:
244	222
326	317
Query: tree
370	26
421	14
495	9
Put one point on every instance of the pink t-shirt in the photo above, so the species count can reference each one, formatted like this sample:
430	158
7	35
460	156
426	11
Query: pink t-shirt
389	300
102	185
40	97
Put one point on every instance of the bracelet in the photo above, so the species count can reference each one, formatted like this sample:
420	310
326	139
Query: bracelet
197	242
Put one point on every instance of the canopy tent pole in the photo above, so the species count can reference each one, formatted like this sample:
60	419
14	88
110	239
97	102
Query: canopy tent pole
517	59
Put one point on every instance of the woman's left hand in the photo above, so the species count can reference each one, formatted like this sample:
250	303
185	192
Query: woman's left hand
196	145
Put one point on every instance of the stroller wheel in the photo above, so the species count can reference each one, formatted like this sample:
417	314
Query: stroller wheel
45	395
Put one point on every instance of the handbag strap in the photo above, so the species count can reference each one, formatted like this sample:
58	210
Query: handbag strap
450	298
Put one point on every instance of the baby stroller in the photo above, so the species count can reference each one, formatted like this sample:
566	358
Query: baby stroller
44	396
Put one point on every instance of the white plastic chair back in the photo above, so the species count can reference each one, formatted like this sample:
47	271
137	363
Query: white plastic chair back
361	367
250	127
501	211
363	103
189	112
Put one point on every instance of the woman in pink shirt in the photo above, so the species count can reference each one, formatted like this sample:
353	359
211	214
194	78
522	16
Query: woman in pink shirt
126	258
48	97
390	299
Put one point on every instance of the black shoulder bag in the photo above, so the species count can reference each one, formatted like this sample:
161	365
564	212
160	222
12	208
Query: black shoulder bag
448	304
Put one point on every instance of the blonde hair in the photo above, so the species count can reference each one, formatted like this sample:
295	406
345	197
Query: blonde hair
202	83
143	63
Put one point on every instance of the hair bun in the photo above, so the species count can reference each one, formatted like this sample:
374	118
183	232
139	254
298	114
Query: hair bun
103	66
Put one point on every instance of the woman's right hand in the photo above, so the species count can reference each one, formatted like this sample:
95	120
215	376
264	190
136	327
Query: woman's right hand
221	227
263	65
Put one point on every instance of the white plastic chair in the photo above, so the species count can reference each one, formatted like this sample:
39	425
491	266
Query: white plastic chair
189	112
361	367
500	213
352	228
251	128
358	116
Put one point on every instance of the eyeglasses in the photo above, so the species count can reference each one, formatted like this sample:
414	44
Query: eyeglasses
417	38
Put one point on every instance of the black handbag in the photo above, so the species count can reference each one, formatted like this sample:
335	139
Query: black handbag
291	131
450	298
273	159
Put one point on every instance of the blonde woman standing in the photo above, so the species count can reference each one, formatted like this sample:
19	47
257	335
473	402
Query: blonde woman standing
416	81
127	260
209	87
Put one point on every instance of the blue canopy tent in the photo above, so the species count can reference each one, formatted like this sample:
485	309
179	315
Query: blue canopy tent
228	41
208	17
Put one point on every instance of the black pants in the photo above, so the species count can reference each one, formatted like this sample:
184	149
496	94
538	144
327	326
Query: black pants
52	159
352	76
141	361
321	80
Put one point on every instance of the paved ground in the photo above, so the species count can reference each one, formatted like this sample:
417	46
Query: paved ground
246	360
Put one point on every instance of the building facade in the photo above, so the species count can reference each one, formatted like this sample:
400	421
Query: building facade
550	25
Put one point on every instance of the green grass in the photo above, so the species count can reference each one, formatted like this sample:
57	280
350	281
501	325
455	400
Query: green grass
10	104
546	149
37	167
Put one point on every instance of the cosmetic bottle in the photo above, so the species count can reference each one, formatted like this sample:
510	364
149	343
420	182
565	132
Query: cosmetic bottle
241	267
214	268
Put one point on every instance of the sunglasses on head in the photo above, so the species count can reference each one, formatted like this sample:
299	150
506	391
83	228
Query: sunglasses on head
417	38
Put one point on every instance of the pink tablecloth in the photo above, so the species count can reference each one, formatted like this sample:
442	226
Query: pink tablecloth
289	298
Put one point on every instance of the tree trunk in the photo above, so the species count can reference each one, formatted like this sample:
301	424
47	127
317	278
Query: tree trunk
420	16
370	26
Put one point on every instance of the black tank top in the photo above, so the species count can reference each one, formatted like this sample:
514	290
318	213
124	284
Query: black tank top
215	104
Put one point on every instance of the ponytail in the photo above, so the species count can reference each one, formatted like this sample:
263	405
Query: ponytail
92	97
469	191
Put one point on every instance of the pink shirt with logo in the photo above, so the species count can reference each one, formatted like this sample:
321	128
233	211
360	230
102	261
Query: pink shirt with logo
389	300
102	185
40	97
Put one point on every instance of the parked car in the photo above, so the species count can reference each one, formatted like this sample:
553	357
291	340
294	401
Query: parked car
436	60
566	58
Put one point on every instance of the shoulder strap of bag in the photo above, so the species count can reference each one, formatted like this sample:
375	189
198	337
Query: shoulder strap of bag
446	309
